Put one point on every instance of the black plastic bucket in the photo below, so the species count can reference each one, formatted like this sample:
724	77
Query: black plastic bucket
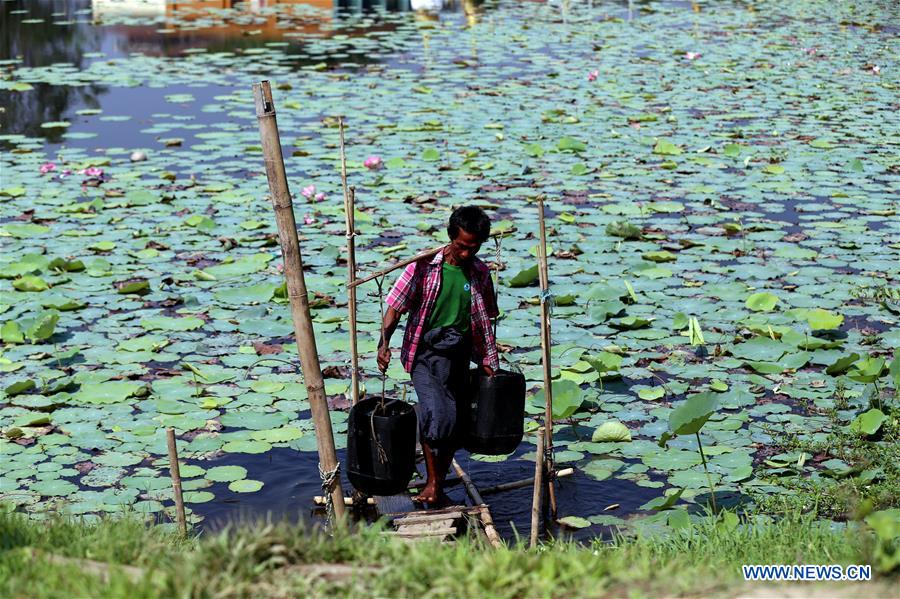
496	419
393	429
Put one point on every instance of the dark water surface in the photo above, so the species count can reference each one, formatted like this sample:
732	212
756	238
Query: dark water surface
291	481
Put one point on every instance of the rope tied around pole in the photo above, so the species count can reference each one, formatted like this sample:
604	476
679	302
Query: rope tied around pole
329	478
548	298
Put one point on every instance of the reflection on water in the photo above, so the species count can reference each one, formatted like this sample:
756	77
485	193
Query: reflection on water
43	42
108	9
38	33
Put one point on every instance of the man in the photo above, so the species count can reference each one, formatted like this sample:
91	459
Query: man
450	301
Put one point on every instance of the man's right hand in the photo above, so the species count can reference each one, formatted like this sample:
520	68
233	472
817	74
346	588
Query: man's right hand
384	357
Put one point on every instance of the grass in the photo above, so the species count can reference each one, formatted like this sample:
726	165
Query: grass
849	494
273	560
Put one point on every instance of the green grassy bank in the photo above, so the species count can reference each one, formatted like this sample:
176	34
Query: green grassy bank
124	558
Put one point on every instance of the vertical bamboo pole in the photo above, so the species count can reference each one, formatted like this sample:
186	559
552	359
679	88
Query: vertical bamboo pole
349	208
296	285
537	499
544	277
175	472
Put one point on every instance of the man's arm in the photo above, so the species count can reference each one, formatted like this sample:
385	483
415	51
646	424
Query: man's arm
403	296
391	320
490	306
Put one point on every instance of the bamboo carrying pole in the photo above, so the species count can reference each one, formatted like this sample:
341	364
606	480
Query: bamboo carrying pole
544	277
175	472
393	267
426	254
296	285
537	499
487	521
349	209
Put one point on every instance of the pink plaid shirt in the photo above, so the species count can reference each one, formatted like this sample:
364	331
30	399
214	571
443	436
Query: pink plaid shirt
416	291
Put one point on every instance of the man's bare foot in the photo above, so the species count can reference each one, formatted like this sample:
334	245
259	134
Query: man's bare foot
428	495
432	497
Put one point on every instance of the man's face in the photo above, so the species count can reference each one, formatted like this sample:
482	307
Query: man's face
464	247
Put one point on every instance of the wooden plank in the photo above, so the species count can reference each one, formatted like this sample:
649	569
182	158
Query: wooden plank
429	527
433	532
446	539
418	517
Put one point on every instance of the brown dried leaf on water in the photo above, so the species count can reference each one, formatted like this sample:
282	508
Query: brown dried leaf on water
264	350
85	467
338	402
335	372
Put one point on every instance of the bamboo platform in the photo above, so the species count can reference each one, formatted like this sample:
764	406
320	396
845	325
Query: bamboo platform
443	524
436	524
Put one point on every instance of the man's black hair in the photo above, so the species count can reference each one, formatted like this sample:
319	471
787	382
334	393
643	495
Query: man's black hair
471	219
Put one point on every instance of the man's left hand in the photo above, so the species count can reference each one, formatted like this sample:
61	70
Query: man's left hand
487	370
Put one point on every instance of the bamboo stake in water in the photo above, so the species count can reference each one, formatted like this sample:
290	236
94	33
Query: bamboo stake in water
296	285
349	208
544	277
537	499
175	472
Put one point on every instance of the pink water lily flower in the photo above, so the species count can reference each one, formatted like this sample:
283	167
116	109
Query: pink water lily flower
373	163
320	196
592	76
47	167
692	55
308	192
307	219
92	171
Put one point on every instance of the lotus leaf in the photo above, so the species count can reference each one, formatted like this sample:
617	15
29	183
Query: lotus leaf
612	430
245	486
868	423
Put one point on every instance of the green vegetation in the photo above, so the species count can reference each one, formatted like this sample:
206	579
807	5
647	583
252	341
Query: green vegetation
275	560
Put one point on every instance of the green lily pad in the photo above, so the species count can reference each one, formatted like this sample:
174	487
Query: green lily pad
868	423
762	302
612	430
226	473
575	522
246	447
245	486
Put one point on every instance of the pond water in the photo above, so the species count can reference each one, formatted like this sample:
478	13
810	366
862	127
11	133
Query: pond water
721	184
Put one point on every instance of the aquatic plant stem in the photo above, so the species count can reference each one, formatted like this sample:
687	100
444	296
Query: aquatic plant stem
544	277
297	293
712	489
349	218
